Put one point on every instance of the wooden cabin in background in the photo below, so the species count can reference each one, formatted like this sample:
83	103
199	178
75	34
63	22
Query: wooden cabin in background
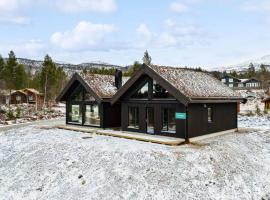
4	97
266	102
27	96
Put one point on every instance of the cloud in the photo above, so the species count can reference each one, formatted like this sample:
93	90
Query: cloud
173	35
84	36
255	5
74	6
29	48
179	7
10	11
144	32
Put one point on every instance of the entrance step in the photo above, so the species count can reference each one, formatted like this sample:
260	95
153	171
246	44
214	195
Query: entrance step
127	135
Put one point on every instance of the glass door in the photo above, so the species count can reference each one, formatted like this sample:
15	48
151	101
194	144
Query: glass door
92	117
150	120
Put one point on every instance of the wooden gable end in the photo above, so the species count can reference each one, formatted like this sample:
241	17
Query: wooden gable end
75	82
139	79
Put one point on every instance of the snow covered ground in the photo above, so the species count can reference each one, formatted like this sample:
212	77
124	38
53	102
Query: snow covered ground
38	162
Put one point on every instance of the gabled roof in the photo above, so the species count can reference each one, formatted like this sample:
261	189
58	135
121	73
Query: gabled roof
100	86
230	76
188	86
18	91
247	80
32	90
266	99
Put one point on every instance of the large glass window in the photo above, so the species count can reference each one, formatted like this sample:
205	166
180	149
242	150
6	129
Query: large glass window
77	95
160	92
133	117
92	116
142	92
89	97
75	114
169	124
150	118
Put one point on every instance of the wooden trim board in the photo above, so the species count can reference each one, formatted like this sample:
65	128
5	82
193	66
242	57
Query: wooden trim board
203	137
127	135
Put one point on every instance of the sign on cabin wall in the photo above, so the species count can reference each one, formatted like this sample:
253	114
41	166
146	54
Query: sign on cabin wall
179	115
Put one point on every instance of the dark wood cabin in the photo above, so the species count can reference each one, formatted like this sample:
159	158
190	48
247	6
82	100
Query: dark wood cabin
176	102
230	81
28	96
18	97
87	98
34	97
266	102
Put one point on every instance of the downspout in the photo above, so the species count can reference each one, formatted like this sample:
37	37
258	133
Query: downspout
186	132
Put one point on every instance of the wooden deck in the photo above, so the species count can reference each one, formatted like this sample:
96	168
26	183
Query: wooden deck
127	135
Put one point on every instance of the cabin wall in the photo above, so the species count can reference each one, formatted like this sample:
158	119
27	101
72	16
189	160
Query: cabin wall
224	118
14	98
267	105
111	115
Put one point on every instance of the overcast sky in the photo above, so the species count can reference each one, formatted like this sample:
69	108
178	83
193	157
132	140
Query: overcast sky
210	33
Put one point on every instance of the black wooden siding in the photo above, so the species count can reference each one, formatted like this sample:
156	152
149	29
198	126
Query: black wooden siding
111	115
224	118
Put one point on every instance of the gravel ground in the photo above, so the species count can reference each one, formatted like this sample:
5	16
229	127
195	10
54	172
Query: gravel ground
39	162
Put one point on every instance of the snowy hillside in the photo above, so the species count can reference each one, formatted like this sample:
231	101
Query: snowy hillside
35	65
47	163
244	65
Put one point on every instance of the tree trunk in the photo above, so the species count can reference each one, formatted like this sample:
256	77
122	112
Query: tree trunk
45	90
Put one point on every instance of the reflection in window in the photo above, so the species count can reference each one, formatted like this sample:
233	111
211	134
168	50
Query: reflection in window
78	95
141	93
169	124
89	97
18	98
133	117
160	92
92	115
75	114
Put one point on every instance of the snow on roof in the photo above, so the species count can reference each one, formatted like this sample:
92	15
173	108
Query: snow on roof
18	91
243	79
102	85
266	99
194	84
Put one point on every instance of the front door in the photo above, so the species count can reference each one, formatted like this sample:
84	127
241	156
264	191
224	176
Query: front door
150	120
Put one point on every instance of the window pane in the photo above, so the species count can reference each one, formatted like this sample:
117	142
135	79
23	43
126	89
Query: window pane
92	115
78	94
75	114
169	124
160	92
150	119
171	120
141	93
89	97
133	117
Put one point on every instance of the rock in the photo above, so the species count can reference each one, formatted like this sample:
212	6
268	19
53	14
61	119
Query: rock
80	176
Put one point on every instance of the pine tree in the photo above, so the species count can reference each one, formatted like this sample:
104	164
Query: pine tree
52	79
2	68
251	70
147	58
20	77
10	71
